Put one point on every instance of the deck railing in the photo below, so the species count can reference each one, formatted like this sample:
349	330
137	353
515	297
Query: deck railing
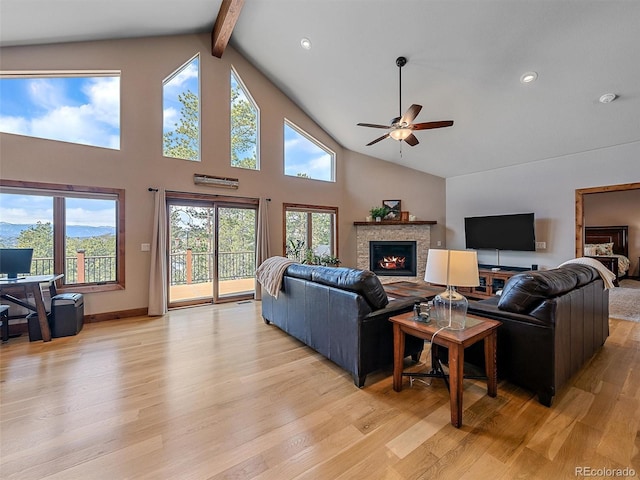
190	267
185	268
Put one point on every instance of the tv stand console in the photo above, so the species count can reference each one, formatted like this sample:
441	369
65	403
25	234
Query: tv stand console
490	281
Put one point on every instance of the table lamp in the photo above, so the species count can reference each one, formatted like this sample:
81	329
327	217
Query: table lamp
453	268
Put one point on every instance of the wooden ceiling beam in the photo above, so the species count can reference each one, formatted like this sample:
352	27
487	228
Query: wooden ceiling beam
225	22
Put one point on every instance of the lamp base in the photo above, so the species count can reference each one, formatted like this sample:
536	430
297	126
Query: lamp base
450	309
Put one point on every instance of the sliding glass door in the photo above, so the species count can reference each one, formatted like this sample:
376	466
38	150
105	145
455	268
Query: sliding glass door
211	250
236	253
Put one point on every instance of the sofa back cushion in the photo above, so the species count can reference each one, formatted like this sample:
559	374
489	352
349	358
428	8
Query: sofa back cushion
362	282
299	270
584	273
525	291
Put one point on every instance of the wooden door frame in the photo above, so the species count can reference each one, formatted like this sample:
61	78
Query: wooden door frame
580	193
212	201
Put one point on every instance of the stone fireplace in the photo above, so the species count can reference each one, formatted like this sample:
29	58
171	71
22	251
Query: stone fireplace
393	258
418	232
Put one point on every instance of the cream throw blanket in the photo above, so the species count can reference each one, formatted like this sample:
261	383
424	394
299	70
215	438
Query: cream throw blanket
270	273
607	275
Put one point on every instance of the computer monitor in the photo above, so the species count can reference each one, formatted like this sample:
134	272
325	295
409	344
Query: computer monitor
14	261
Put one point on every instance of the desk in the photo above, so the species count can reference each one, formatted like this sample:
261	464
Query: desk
31	284
456	341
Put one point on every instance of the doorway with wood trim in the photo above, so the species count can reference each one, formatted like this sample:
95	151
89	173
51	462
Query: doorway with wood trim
581	213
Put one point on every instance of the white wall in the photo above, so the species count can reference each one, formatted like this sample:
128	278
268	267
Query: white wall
546	188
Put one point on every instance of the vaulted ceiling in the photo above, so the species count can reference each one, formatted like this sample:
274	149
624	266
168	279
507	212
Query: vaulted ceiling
465	61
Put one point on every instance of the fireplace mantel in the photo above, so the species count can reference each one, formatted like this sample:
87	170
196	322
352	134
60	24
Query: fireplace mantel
392	222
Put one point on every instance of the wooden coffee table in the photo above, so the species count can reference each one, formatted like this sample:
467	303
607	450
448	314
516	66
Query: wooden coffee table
411	289
456	341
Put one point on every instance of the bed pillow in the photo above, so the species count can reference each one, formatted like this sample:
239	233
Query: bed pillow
605	249
590	250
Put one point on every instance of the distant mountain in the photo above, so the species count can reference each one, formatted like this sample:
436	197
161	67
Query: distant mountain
9	232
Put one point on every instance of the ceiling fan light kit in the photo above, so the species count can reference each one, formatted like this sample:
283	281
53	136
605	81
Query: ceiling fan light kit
400	133
401	127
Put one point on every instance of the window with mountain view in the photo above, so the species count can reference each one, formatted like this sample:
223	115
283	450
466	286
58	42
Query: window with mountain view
306	157
181	112
244	120
85	219
63	106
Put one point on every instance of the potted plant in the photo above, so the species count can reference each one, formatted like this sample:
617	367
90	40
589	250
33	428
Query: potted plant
378	213
329	260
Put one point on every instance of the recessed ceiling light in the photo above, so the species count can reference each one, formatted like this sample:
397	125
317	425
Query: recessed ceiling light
528	77
608	98
305	43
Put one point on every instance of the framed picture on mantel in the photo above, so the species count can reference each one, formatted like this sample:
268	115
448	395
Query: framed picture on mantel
394	209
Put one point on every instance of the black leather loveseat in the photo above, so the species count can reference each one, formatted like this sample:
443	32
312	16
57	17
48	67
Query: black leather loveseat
553	322
342	313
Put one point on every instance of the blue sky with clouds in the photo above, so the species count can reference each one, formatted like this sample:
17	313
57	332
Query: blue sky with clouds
83	110
185	78
304	156
30	209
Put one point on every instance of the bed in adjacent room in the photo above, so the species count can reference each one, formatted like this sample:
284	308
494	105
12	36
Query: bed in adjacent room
610	246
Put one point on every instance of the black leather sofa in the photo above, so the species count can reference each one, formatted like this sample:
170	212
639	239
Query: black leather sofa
342	313
553	322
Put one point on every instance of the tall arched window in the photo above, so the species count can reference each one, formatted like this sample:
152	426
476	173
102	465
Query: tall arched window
245	118
181	112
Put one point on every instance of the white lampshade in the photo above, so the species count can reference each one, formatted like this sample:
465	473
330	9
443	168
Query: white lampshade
452	267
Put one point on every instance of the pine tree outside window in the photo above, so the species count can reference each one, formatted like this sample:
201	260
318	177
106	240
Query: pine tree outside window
181	112
245	118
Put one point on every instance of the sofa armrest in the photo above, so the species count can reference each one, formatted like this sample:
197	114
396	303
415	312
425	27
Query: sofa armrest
394	307
489	309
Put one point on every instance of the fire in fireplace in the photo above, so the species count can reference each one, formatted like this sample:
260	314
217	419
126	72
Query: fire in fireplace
393	258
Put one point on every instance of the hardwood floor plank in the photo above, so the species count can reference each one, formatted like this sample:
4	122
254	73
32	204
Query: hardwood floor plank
617	442
550	437
213	392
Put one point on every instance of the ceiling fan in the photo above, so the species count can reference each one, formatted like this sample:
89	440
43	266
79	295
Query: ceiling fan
401	127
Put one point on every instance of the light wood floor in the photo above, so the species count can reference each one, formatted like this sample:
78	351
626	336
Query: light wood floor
212	392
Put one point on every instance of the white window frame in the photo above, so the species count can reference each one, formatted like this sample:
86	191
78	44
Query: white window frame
247	93
315	141
167	79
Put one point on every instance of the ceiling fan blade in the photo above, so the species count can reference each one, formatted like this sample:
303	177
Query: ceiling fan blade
373	125
428	125
412	140
411	113
378	139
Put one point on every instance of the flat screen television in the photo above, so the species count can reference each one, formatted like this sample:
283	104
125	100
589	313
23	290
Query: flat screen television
14	261
501	232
